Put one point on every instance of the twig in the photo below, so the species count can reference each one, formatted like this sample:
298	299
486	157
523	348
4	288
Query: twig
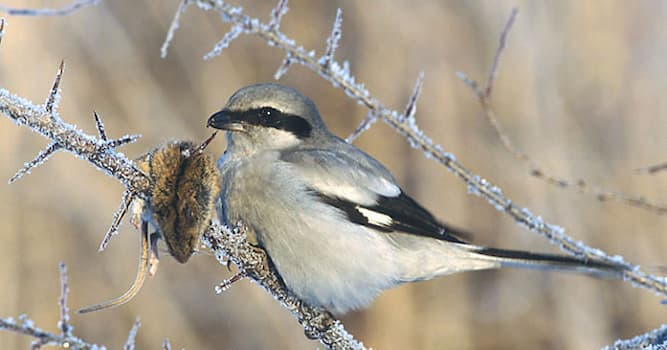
653	169
64	325
129	344
484	97
49	12
173	27
501	47
65	340
340	77
332	41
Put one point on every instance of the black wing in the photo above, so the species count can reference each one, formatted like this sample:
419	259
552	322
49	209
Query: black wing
402	214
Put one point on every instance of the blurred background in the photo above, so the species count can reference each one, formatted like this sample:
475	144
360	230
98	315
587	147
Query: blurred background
581	88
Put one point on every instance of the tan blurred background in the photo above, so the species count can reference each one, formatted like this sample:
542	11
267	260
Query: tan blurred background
581	88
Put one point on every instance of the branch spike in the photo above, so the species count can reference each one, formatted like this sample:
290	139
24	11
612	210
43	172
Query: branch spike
125	201
227	39
276	15
2	28
122	141
54	96
99	125
365	124
411	106
332	40
284	66
37	161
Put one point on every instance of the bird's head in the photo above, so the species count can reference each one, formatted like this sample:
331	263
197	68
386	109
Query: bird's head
269	116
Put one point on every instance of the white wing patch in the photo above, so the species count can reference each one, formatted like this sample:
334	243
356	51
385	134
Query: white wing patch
375	218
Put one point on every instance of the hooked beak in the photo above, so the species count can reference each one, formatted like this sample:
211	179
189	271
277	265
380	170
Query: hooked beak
226	120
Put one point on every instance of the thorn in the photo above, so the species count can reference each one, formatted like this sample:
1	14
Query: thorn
284	66
122	141
37	161
226	284
2	28
227	39
276	15
471	84
332	40
127	198
54	95
363	126
100	126
411	106
204	144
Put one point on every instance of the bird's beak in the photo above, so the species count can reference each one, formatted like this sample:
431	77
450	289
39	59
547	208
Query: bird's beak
226	120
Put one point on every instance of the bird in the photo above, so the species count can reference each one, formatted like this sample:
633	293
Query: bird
335	224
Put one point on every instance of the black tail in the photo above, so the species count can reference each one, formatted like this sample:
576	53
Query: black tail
522	259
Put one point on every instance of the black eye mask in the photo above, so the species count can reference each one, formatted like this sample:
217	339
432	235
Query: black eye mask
272	118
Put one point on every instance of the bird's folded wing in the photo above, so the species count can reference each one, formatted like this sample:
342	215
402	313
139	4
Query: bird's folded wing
365	192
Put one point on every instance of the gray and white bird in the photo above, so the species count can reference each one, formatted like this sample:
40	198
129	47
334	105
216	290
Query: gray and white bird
337	227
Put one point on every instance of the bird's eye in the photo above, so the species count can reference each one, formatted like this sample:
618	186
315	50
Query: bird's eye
267	113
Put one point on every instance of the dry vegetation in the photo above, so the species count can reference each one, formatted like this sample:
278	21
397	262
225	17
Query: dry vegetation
579	89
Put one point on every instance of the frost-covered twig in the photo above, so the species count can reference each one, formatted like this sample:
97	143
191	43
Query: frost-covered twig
63	324
483	95
65	339
132	335
655	339
339	77
232	245
173	27
48	12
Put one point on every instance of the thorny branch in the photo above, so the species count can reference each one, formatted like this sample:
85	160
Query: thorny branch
49	12
231	244
483	95
317	323
339	77
65	339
